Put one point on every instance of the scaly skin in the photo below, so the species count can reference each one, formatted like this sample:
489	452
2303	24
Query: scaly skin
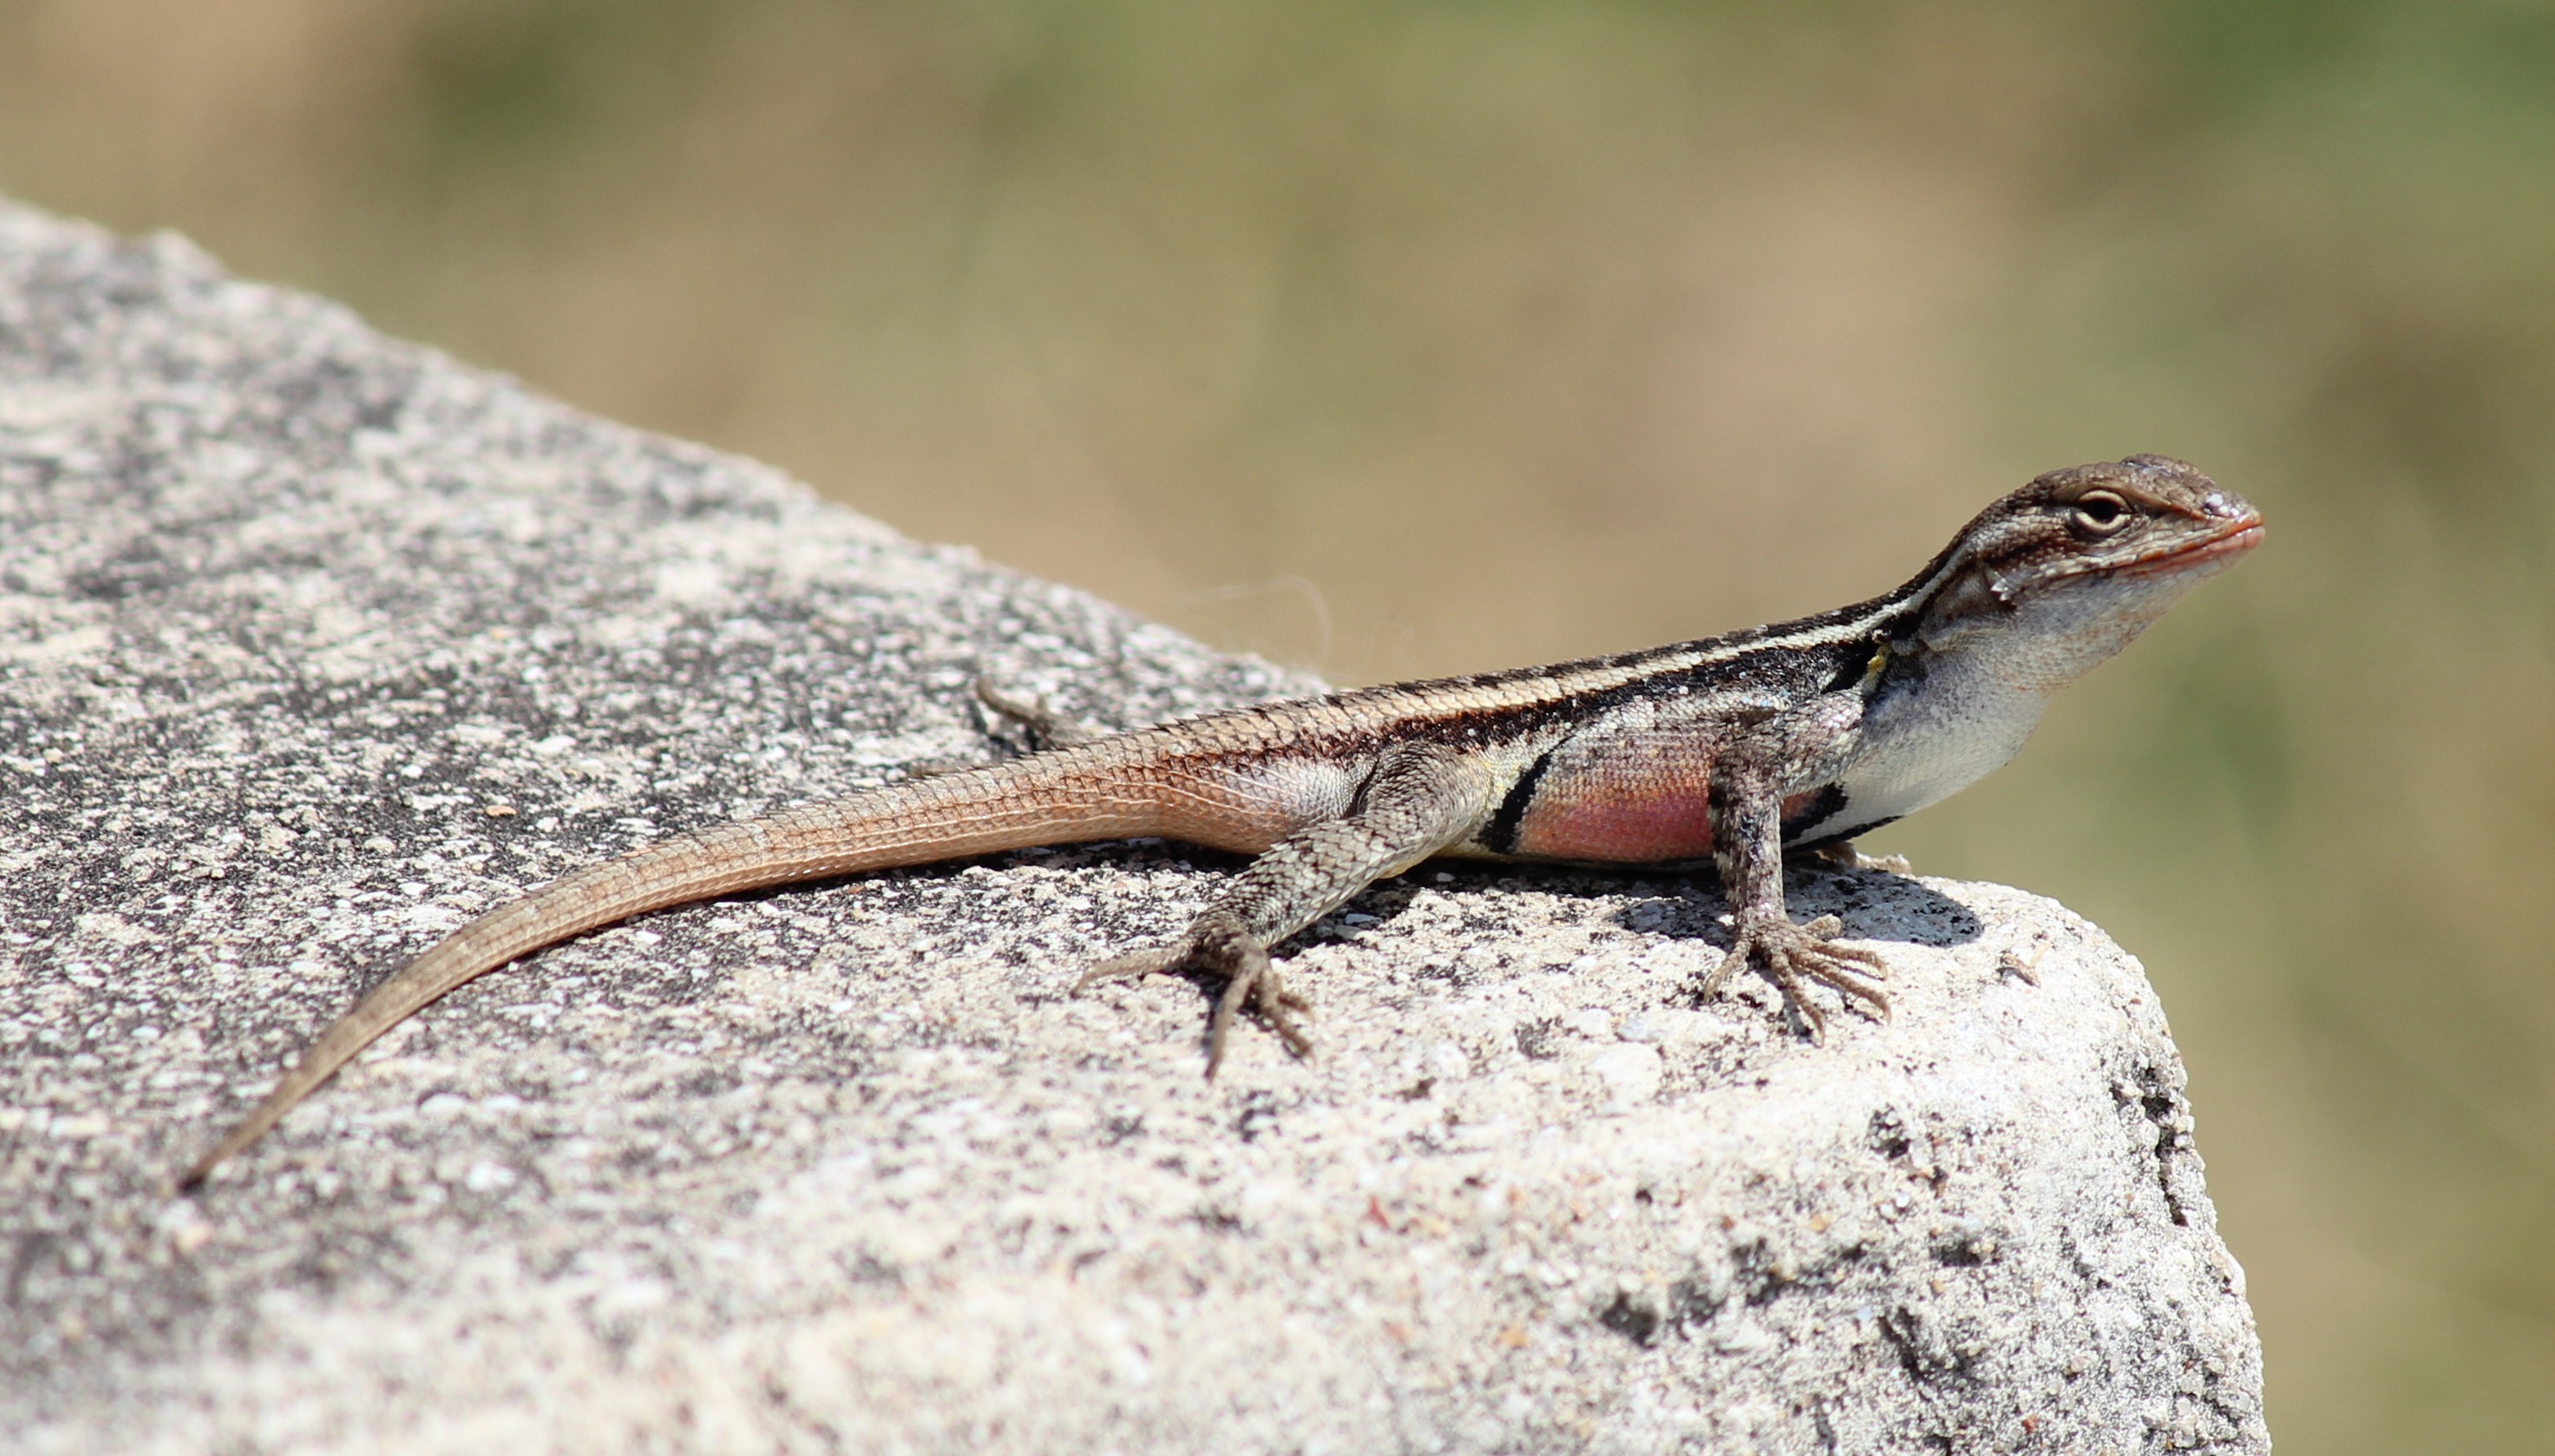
1731	749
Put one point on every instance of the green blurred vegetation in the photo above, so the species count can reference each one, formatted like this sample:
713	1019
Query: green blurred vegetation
1422	335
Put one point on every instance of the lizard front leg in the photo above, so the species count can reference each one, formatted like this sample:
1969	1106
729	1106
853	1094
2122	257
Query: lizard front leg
1419	799
1751	775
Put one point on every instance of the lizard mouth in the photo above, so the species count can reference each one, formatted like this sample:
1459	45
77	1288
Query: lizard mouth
2215	550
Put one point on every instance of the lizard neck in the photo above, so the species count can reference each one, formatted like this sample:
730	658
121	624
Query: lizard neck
1966	659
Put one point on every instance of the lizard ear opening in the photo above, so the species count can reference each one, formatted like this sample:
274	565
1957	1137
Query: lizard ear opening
1976	598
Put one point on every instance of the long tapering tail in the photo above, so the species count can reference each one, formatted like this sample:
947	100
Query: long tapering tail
1047	799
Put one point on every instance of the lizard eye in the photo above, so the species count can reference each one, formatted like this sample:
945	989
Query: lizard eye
2100	513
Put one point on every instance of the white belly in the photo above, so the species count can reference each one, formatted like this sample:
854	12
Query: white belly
1917	748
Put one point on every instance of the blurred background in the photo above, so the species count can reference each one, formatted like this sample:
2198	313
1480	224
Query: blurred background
1412	337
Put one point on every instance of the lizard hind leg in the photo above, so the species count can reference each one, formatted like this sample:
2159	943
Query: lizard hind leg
1418	800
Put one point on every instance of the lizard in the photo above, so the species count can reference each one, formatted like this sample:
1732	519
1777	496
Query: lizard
1727	751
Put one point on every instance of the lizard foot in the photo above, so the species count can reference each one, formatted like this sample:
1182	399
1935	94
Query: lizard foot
1046	728
1787	954
1846	857
1251	981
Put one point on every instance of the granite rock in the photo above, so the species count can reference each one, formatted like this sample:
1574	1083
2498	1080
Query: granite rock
315	644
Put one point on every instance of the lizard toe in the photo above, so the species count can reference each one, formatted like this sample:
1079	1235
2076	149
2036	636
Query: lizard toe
1135	967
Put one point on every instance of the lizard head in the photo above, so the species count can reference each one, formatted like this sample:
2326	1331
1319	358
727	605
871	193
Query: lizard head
2071	567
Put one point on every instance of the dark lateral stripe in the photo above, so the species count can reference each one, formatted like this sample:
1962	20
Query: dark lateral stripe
1821	809
1502	834
1846	837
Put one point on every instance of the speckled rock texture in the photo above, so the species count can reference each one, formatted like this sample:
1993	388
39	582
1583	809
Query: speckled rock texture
315	644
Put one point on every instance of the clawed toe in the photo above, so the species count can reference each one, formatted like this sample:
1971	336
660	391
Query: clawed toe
1279	1007
1134	967
1236	991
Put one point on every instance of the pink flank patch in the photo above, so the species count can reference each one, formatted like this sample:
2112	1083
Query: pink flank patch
1621	824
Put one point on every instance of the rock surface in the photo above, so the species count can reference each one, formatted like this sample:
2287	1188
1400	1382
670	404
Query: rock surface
313	644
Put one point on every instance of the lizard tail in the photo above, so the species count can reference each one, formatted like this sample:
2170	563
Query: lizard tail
979	812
